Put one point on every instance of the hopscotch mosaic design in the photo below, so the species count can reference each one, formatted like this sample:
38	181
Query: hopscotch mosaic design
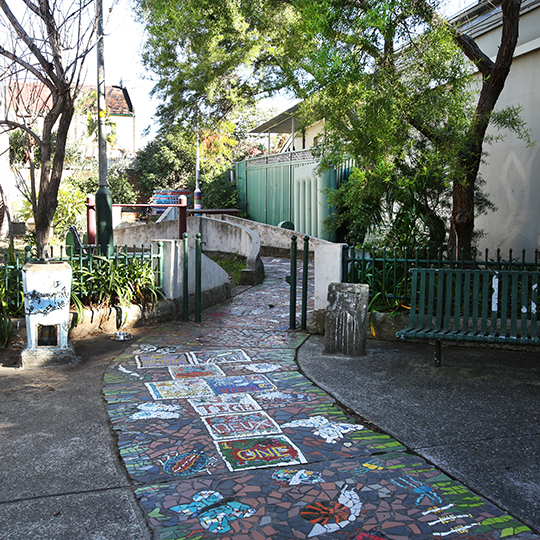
179	389
187	372
224	404
233	426
163	359
240	384
300	468
225	356
252	453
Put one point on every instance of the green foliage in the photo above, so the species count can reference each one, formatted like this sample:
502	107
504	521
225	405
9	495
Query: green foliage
87	105
218	192
71	208
167	162
122	190
387	77
111	282
214	57
100	282
233	265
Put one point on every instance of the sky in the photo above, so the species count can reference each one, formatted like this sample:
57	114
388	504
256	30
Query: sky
123	46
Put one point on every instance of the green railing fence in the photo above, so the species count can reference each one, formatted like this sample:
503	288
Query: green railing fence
11	269
388	274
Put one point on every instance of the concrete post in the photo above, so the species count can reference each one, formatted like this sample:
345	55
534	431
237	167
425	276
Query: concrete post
327	270
346	319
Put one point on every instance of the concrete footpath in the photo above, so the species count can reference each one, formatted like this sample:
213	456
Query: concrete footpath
213	430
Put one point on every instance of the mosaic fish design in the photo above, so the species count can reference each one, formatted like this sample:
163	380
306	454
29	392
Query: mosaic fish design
184	464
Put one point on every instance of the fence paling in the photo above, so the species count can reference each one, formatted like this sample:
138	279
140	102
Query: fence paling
389	277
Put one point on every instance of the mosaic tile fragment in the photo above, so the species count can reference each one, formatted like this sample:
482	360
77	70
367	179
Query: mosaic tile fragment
231	355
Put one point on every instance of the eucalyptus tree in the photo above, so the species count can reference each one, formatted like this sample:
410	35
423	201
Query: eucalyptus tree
44	47
388	77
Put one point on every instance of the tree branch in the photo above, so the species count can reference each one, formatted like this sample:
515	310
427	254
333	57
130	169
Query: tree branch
15	125
473	52
45	64
27	66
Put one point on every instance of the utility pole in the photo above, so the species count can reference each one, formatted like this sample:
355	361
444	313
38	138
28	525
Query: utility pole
104	229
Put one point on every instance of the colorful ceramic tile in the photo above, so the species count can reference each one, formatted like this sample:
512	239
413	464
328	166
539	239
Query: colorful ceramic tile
159	359
187	388
240	384
189	372
230	355
234	426
242	454
224	404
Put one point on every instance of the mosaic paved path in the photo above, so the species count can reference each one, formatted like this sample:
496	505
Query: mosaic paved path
224	438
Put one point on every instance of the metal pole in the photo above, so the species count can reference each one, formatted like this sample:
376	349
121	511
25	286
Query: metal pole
198	247
104	230
197	203
292	283
185	279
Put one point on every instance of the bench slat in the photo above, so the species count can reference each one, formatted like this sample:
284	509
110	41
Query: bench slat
514	303
534	306
475	302
474	305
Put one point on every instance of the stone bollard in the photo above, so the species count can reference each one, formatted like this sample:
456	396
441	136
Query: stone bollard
346	319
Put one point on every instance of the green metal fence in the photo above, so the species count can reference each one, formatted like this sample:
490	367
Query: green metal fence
11	269
388	275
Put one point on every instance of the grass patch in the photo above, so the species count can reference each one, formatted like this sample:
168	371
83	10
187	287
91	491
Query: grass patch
232	264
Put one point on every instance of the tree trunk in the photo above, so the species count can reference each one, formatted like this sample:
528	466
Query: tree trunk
51	175
493	79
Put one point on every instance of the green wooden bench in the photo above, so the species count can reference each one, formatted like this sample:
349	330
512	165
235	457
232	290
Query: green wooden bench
466	305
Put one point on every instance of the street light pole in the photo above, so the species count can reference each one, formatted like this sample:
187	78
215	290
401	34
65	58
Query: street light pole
197	199
104	230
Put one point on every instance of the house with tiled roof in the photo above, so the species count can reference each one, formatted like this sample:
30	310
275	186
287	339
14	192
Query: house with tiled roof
32	100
